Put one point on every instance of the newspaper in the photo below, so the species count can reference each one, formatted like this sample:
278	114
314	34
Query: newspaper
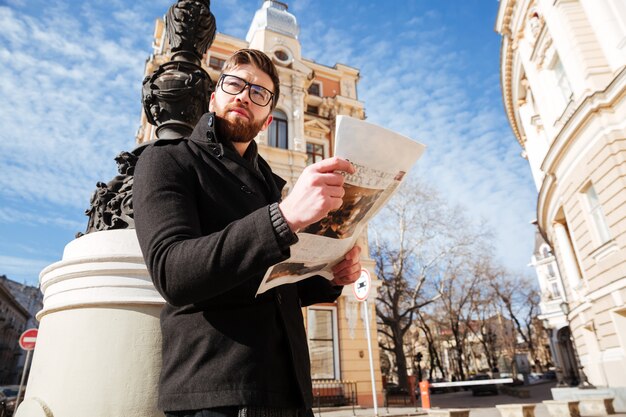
382	158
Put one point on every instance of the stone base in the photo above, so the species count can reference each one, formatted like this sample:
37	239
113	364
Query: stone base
577	394
516	410
98	351
562	408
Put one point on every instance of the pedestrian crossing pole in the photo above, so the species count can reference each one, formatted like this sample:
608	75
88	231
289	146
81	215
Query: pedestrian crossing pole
361	289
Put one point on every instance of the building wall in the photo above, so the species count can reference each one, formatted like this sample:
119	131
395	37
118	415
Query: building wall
563	70
310	119
13	320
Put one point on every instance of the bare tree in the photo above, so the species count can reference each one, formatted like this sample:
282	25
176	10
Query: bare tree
407	241
520	303
425	322
415	240
458	286
485	311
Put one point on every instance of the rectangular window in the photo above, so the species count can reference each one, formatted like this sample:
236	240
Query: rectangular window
216	63
315	89
555	290
322	343
597	215
312	109
314	153
561	80
277	132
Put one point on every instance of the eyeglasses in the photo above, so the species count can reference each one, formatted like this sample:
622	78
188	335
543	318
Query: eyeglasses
234	85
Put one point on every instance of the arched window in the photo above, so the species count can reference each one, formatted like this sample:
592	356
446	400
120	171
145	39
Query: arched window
277	132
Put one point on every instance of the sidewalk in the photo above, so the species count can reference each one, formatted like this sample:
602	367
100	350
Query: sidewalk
540	411
480	406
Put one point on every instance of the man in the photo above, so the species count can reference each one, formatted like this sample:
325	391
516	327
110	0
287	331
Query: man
210	224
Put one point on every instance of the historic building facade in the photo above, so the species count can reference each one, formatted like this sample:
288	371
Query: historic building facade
563	75
302	132
552	316
18	305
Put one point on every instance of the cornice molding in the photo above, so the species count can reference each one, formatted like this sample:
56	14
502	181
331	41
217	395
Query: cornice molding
506	75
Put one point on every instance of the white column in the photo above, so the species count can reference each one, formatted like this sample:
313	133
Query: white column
607	17
567	256
98	351
587	71
297	116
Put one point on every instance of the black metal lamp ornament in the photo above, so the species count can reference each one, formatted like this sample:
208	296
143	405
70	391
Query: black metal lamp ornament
177	94
174	98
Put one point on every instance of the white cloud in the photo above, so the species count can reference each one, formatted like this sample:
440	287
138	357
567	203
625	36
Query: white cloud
236	19
22	269
78	223
62	125
419	88
71	88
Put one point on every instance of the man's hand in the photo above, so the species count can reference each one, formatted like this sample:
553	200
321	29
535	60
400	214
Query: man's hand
318	191
348	270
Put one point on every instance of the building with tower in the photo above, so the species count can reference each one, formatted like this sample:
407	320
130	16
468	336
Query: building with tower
563	75
302	132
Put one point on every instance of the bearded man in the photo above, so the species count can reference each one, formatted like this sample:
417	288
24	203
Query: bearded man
210	223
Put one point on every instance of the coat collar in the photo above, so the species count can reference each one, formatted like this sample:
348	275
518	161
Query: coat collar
250	169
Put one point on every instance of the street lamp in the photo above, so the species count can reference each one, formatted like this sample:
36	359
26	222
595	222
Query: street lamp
418	359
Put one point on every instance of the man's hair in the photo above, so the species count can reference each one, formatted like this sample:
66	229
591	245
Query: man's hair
258	59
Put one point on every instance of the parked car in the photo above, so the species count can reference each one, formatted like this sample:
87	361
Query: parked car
483	388
10	393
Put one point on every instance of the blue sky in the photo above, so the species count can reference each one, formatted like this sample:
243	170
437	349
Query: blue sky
70	95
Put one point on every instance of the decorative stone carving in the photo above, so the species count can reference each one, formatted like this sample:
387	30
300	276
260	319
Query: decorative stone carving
348	91
535	23
327	108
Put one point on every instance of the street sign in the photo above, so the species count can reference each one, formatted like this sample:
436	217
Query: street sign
28	339
362	285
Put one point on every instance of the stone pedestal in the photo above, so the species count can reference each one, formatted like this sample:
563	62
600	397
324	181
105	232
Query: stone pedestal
562	408
587	395
516	410
98	351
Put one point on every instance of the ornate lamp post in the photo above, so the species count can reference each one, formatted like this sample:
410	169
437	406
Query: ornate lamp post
174	98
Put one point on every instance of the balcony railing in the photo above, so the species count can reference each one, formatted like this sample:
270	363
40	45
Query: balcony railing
334	393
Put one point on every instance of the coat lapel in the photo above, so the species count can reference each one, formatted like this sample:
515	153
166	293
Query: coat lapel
252	179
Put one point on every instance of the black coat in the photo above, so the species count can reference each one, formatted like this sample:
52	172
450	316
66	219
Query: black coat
203	224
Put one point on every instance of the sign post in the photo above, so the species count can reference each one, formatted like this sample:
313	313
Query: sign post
361	289
27	342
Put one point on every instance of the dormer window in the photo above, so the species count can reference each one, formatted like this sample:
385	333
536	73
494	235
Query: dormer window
282	56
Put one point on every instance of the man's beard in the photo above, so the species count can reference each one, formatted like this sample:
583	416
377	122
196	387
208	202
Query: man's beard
237	130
